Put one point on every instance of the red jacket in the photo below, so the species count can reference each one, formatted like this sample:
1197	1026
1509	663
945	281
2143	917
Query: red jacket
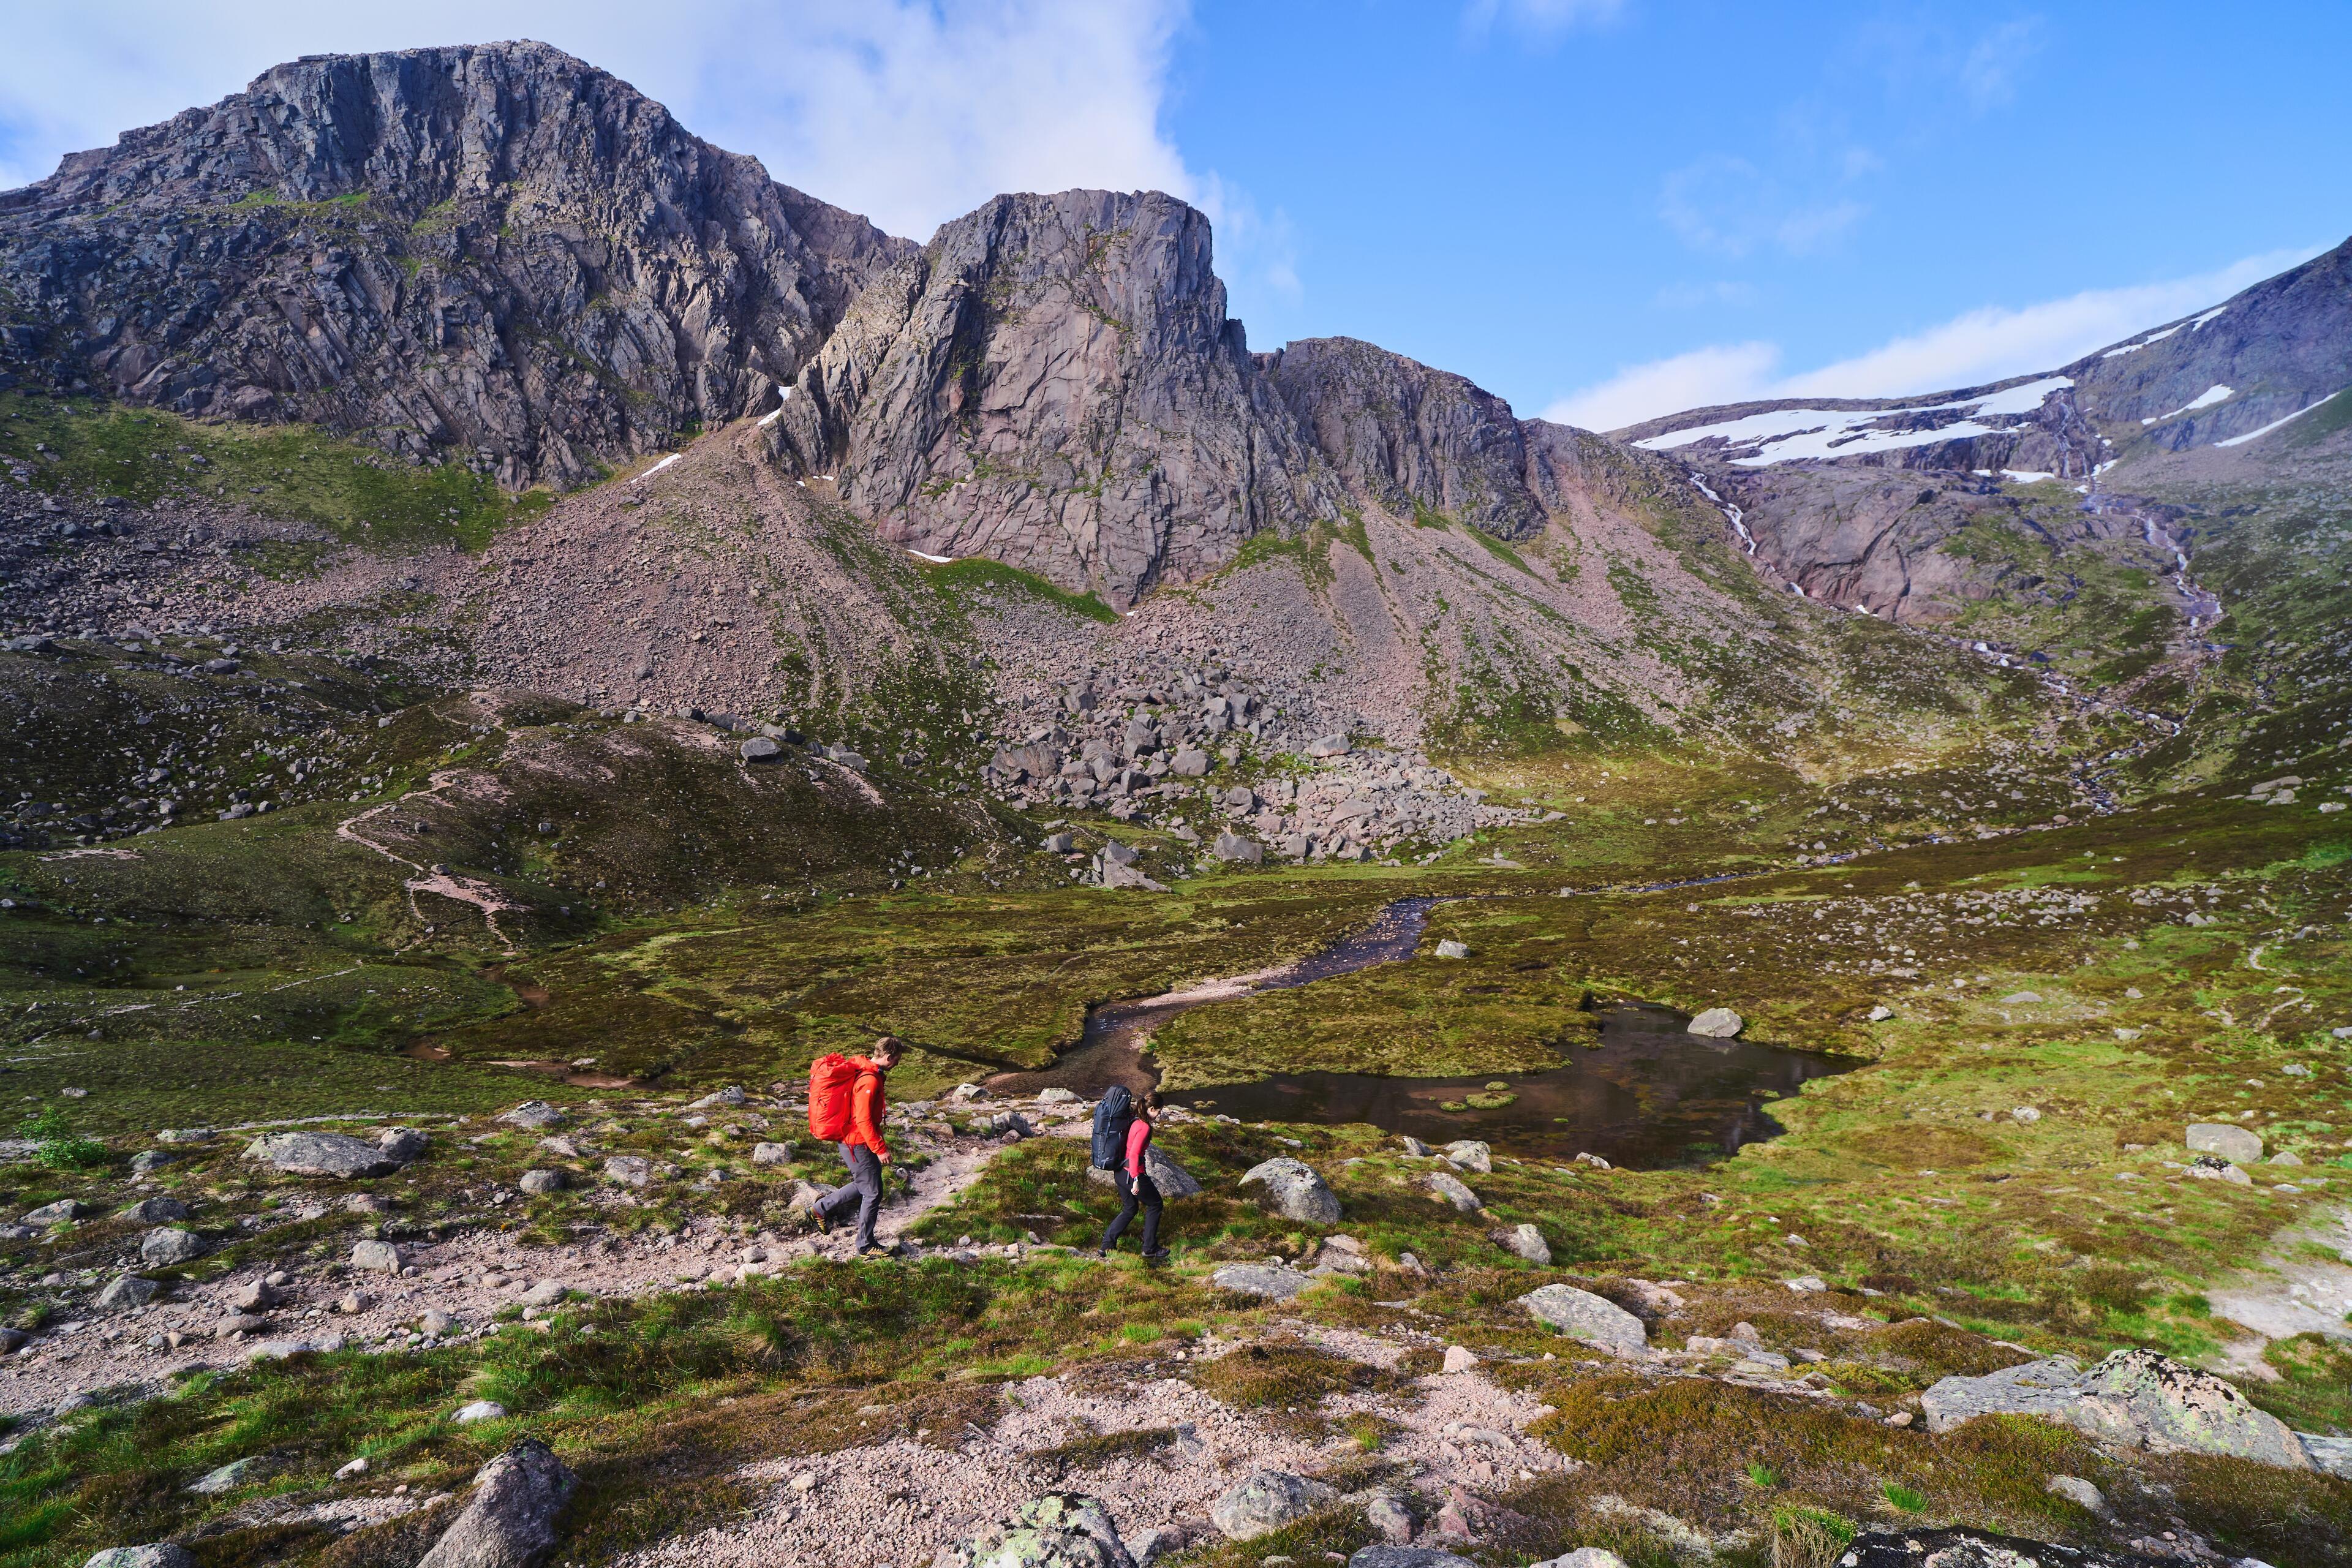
1138	1138
866	1107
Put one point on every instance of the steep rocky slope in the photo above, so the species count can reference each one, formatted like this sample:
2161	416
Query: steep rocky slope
497	256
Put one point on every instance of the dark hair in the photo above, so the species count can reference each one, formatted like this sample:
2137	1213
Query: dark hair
1148	1100
889	1046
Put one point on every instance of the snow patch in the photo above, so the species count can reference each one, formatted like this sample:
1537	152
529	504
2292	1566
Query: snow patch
934	560
2212	394
2258	434
2026	476
657	467
2199	324
1786	434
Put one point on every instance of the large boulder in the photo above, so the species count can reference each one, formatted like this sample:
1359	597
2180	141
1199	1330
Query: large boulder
378	1257
156	1211
2231	1143
1717	1024
1470	1154
1172	1179
162	1555
534	1113
125	1291
1294	1191
1231	847
1450	1189
1265	1501
1580	1314
1527	1242
332	1155
1272	1281
510	1523
168	1245
2135	1398
1060	1530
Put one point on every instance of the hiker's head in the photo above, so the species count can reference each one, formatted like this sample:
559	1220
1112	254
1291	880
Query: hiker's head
886	1051
1150	1100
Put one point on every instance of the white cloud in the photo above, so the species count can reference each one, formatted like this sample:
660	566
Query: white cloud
1988	72
1724	373
906	111
1541	15
1731	207
1991	344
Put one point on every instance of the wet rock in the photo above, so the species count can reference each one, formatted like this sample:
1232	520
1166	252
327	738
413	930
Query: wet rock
1450	1189
1469	1154
378	1257
2237	1144
629	1170
1528	1243
1974	1549
168	1245
156	1211
543	1179
1294	1191
510	1521
1172	1180
534	1113
2077	1491
162	1555
1060	1530
2136	1398
1272	1281
332	1154
1717	1024
1265	1501
1580	1314
125	1291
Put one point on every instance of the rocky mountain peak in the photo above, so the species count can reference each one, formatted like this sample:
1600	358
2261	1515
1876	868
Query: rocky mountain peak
495	253
1054	382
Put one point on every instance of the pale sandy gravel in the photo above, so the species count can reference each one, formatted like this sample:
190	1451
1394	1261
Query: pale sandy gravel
894	1504
451	1277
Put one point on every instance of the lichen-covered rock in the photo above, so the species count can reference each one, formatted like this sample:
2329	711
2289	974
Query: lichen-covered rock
1452	1190
545	1179
1470	1154
1580	1314
1265	1501
162	1555
1295	1191
169	1244
358	242
1271	1281
2135	1398
1977	1549
510	1521
1528	1243
2232	1142
534	1113
629	1170
333	1154
1060	1530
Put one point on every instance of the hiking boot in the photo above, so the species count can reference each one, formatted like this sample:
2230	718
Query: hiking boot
1156	1255
877	1250
1101	1253
824	1220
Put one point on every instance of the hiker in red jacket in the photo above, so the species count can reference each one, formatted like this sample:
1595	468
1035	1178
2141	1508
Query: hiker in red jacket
863	1149
1136	1187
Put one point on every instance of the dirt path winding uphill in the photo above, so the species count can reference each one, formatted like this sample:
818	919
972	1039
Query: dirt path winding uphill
437	880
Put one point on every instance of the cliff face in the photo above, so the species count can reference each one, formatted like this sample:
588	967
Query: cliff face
496	254
1052	383
1407	437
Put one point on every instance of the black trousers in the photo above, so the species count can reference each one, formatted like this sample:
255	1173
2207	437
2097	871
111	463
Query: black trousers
863	1188
1134	1192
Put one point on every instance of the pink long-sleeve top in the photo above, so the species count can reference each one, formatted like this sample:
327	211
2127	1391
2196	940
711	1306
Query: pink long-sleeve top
1138	1138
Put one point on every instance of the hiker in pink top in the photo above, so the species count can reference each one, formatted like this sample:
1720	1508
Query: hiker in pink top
1135	1185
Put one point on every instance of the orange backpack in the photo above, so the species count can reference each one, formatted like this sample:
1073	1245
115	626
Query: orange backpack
831	1079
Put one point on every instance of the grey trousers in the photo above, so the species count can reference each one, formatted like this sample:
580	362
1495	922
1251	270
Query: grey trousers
863	1188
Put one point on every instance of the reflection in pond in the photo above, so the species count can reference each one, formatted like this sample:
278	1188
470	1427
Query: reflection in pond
1650	1095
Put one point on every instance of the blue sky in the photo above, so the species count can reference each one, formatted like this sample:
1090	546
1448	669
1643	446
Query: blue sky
1602	209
